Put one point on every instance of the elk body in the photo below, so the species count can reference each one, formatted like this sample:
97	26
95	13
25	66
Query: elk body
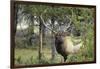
65	46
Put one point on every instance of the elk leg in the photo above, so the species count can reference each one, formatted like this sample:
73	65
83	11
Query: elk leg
65	58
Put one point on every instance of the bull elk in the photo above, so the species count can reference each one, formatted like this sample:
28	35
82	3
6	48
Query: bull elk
64	44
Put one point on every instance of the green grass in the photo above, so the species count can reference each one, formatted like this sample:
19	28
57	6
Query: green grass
29	56
24	56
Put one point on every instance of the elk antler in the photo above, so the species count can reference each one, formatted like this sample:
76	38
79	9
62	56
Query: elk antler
44	22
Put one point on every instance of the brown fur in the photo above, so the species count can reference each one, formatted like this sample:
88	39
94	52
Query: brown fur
64	45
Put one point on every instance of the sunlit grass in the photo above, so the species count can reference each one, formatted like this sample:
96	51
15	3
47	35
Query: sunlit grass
29	56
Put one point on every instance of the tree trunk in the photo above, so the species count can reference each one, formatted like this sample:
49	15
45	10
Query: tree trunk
33	25
41	39
53	47
43	34
31	31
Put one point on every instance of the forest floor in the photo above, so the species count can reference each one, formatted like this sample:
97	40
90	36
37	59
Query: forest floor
28	56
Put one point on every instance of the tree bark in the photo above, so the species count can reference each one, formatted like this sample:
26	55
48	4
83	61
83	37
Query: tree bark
53	47
41	39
